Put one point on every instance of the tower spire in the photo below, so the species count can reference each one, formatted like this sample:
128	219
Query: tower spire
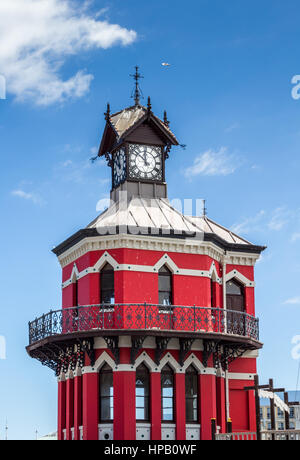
137	93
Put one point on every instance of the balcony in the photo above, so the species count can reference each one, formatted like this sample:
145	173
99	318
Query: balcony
144	319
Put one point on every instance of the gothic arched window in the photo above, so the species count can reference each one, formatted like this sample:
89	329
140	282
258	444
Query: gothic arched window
107	285
165	286
106	393
167	394
235	296
191	395
142	392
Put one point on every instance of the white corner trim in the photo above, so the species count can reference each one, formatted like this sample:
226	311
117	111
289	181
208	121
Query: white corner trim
213	274
61	378
69	375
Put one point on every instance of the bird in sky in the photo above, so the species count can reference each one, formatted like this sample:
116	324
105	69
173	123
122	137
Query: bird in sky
165	64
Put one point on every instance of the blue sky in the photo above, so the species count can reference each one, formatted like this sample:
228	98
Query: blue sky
228	97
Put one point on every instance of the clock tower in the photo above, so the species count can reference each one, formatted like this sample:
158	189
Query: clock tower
136	144
156	338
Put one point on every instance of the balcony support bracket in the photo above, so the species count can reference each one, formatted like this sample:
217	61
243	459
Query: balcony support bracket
185	348
161	346
113	345
136	345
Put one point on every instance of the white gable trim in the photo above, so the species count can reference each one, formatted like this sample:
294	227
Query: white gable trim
104	358
104	259
192	359
235	274
166	260
74	274
169	359
144	358
213	274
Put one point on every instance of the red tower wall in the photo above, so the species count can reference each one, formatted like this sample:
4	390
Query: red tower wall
134	287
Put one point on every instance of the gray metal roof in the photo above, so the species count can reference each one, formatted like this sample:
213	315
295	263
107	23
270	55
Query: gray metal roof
124	120
158	213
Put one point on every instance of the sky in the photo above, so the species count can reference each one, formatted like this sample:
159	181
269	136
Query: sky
228	94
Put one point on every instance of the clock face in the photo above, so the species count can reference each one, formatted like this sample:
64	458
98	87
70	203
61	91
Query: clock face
145	162
119	167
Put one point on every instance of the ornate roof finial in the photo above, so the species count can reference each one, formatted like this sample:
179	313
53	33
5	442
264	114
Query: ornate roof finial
137	94
107	113
166	121
149	104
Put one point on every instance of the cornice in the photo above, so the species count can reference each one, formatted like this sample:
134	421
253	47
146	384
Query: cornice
153	243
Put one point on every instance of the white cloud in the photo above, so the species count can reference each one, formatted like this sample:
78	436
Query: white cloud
36	199
37	37
280	218
293	301
295	237
263	221
213	163
249	224
232	127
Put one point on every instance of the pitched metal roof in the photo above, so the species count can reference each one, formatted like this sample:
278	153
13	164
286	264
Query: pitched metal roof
159	214
125	119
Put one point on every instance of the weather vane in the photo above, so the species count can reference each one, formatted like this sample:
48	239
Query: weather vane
137	93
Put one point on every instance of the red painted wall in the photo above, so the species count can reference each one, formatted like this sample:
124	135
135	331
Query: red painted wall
142	287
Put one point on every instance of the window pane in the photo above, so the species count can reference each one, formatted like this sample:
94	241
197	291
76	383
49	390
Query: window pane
106	393
106	384
191	394
140	401
233	288
167	414
106	409
167	380
107	284
142	392
164	283
140	414
165	298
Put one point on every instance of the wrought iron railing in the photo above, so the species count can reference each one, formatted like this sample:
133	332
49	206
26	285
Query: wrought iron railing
143	317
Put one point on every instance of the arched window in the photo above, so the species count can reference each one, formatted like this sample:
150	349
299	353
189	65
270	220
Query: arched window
107	285
142	385
191	395
167	394
106	392
165	286
235	296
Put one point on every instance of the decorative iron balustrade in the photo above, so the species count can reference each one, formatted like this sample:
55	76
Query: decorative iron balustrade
143	317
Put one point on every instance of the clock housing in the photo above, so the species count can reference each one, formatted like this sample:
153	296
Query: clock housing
119	167
145	162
